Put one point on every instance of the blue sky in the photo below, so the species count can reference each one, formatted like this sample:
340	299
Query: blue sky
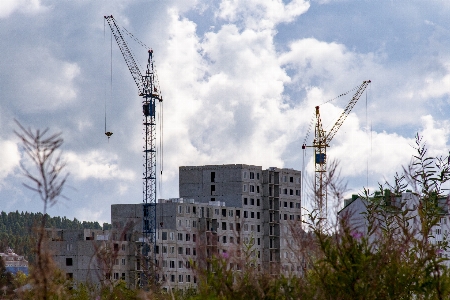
240	80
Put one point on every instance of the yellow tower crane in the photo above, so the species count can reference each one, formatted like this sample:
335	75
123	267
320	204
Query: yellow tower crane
321	142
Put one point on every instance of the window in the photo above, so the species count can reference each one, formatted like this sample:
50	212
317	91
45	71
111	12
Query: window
252	214
285	216
291	217
123	247
291	204
252	188
69	261
193	237
245	214
164	249
194	224
284	178
297	192
245	201
188	237
224	212
164	235
245	187
291	179
188	251
230	213
252	201
213	176
230	226
245	227
165	263
438	231
116	247
291	192
180	264
172	235
194	251
258	215
180	209
258	228
257	176
285	204
180	278
224	226
188	278
188	264
116	276
231	239
188	209
252	227
180	250
285	191
257	202
252	175
123	261
69	276
213	189
259	241
180	236
172	264
172	278
172	250
116	262
224	239
297	205
216	211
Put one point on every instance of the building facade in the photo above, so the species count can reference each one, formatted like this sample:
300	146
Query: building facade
240	213
13	262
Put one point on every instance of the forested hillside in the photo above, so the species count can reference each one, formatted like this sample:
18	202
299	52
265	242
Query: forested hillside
16	229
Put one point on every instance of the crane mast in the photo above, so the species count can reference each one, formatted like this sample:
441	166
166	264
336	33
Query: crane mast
320	144
149	91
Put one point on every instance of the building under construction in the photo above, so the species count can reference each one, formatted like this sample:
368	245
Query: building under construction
240	213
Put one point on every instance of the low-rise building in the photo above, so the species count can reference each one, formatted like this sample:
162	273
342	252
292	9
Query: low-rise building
13	262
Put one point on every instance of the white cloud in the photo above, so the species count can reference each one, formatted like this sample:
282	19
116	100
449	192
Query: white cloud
10	158
8	7
261	14
96	165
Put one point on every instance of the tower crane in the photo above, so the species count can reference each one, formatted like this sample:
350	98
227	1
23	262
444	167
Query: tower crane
321	142
148	88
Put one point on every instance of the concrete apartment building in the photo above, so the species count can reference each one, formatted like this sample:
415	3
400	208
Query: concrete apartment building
238	212
355	211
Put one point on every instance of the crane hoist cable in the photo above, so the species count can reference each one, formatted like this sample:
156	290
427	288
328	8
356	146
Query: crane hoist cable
148	89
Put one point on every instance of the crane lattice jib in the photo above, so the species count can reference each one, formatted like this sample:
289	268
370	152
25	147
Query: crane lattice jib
347	111
127	55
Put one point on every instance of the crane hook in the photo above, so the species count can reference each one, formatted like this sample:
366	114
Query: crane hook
108	134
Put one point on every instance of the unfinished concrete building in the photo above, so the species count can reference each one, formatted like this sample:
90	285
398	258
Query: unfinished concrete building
237	212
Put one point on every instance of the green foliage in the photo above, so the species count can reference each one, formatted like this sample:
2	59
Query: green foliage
16	229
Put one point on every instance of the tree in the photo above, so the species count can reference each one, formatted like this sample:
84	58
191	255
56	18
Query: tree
45	173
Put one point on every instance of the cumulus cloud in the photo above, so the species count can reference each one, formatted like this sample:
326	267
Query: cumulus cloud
96	165
261	14
8	7
10	157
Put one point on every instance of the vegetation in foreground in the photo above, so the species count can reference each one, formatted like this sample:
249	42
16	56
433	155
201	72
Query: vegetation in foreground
392	260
